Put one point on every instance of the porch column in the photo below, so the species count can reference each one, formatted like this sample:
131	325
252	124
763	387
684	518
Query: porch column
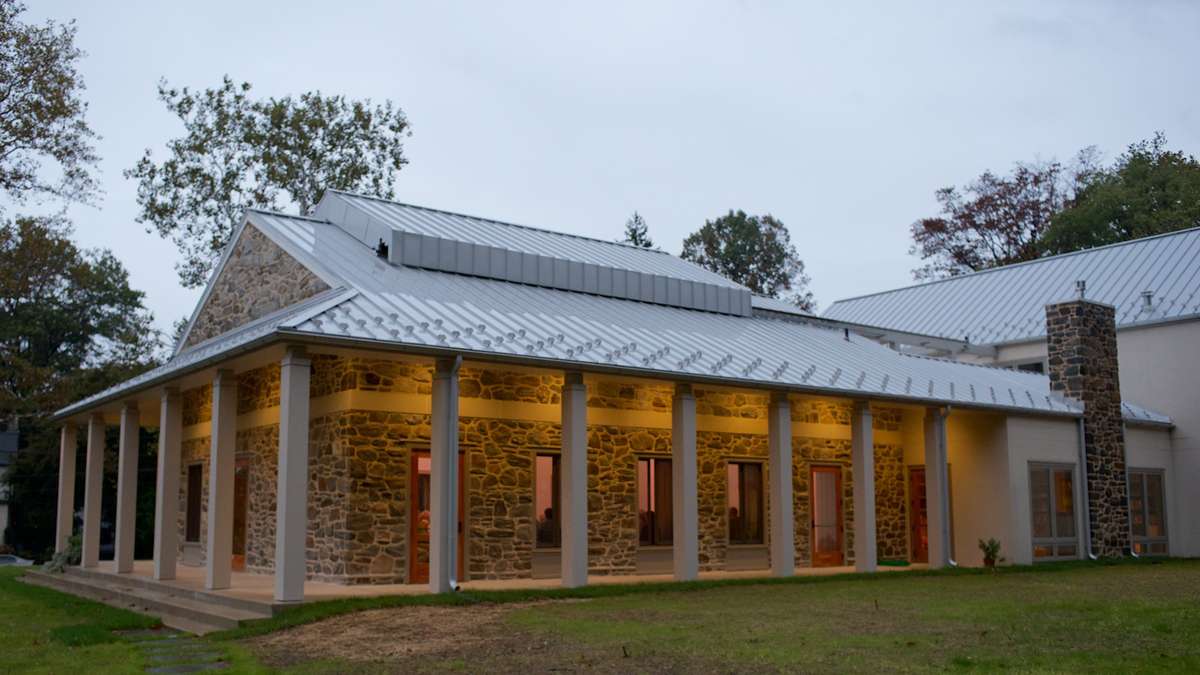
291	504
783	530
937	494
166	491
127	475
862	441
219	555
93	483
67	447
573	482
685	518
443	475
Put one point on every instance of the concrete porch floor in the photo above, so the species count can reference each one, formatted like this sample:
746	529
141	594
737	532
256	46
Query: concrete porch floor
260	587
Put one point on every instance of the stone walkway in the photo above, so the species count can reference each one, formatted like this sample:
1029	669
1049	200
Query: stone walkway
171	651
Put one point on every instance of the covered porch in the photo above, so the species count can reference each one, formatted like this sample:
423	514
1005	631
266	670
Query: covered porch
296	402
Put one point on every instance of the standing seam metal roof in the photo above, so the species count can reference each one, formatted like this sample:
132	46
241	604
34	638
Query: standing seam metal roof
475	230
1007	304
374	301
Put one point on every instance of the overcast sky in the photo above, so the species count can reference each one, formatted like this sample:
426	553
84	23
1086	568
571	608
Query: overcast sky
839	119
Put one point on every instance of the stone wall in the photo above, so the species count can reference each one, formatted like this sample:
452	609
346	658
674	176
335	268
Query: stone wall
358	495
360	466
258	278
1081	339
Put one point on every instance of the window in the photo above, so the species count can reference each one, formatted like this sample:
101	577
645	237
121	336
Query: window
195	485
745	502
1052	496
654	502
546	502
1032	367
1147	517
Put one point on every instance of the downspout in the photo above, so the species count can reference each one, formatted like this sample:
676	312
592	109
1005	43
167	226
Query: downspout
1129	518
1087	509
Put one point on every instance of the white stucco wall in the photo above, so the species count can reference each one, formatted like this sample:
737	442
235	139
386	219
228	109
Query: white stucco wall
1150	448
979	484
1038	439
1160	369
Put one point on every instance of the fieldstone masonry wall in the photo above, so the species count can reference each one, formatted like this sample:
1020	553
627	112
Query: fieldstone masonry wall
1081	338
360	466
258	278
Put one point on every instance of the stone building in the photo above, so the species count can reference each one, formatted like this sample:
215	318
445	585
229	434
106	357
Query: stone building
385	394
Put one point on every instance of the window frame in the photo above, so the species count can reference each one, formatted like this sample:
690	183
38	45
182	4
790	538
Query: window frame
761	540
1054	541
1144	544
188	538
653	460
555	499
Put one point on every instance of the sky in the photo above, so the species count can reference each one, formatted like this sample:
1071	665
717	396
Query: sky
840	119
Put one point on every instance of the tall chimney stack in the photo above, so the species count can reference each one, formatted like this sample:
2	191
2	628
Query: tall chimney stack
1081	340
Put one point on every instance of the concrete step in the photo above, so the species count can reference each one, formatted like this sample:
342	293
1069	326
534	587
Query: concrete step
177	591
192	615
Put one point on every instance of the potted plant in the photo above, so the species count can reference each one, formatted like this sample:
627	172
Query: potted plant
991	552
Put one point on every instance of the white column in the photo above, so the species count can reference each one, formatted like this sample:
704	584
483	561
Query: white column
67	447
166	492
127	475
219	556
779	443
685	516
937	494
862	443
573	482
443	475
93	483
291	505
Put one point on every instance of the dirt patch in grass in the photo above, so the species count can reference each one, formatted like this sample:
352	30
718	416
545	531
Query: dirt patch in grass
470	638
386	634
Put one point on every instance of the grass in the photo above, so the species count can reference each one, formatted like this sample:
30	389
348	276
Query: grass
1132	616
44	631
1073	617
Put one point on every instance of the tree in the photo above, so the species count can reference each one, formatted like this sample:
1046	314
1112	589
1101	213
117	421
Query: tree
70	325
237	153
1149	190
996	220
63	313
755	251
636	232
42	114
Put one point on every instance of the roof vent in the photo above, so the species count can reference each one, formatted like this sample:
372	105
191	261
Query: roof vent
1148	300
1081	287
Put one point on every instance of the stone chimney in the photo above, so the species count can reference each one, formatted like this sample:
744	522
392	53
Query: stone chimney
1081	340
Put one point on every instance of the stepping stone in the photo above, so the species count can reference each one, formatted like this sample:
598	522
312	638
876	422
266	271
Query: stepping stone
185	657
171	645
148	635
189	668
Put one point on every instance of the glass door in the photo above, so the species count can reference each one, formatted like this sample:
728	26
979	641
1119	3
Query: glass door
826	508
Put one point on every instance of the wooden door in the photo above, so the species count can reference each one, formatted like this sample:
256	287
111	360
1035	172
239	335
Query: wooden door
419	501
241	487
825	505
918	515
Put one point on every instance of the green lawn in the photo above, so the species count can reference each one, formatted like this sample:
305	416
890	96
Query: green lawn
44	631
1065	618
1074	617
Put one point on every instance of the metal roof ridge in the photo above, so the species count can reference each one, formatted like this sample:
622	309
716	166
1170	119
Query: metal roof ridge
1023	263
281	214
505	223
